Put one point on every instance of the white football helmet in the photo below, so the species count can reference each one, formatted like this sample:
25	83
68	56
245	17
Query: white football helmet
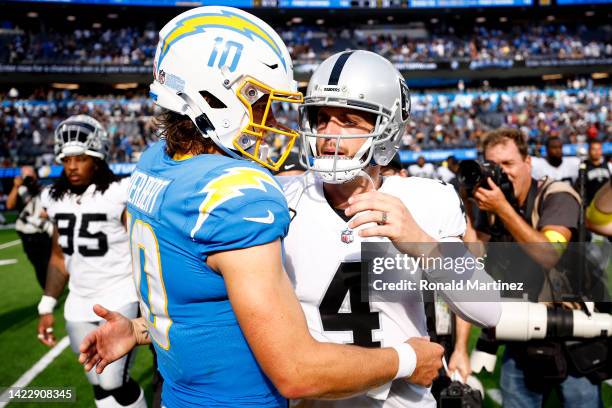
81	134
213	64
356	80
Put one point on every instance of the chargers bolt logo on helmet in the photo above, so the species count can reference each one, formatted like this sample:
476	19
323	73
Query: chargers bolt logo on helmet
245	71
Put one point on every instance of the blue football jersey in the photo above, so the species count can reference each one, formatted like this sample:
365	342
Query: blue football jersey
179	213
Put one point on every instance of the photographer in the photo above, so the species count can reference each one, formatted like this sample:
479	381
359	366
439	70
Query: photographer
526	210
33	227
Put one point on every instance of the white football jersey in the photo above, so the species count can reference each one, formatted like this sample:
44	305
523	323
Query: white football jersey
567	171
443	173
427	171
320	254
96	249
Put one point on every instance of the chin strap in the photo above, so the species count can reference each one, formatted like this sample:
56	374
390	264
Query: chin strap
365	175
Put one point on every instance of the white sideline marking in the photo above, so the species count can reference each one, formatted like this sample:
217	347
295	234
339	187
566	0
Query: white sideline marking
37	368
7	262
495	395
10	244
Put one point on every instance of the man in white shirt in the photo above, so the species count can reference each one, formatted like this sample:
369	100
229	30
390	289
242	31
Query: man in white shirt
422	169
555	166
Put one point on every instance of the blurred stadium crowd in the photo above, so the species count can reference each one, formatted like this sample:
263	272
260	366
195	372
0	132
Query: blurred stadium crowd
439	119
411	43
418	44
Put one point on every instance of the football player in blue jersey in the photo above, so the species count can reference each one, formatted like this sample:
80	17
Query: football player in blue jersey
206	231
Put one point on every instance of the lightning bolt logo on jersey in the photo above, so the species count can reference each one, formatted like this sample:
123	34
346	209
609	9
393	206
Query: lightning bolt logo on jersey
180	212
231	185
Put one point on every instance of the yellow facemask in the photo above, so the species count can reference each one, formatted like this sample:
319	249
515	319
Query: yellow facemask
262	124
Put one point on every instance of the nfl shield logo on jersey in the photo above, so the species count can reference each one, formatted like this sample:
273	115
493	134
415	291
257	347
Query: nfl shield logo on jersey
347	236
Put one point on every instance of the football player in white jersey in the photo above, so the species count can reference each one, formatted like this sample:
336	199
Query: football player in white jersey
422	169
354	114
555	165
90	251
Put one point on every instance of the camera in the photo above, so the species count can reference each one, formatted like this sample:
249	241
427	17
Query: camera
473	175
32	185
458	395
525	321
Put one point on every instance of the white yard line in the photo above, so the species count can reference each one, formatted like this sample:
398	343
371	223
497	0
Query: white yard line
7	262
10	244
37	368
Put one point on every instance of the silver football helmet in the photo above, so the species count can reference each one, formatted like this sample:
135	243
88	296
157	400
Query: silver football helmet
81	134
356	80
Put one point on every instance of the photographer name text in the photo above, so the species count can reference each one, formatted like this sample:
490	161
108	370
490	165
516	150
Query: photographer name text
459	285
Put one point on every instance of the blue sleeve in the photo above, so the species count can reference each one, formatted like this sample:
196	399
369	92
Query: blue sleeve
253	215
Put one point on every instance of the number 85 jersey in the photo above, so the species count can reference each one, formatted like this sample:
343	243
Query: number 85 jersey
96	248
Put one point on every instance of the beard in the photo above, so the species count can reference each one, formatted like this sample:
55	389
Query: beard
555	161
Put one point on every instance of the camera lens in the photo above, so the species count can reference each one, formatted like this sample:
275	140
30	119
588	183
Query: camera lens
470	174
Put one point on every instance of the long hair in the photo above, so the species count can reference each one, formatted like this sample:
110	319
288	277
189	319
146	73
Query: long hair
181	134
102	178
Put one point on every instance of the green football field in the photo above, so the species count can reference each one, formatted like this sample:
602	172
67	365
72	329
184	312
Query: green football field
21	349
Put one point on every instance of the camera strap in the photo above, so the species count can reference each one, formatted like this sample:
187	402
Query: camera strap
546	188
530	202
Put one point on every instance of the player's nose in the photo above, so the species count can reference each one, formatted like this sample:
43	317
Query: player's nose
331	127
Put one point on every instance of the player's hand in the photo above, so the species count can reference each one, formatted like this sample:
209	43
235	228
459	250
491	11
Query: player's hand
45	330
429	361
17	181
460	361
398	224
491	200
107	343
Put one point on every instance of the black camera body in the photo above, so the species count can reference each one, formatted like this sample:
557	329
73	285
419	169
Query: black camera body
458	395
32	185
473	174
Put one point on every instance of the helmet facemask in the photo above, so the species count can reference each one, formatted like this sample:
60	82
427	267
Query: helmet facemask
263	137
336	168
78	135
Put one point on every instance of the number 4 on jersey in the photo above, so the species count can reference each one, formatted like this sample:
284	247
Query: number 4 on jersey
361	321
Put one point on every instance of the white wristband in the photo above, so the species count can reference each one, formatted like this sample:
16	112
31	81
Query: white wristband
46	305
407	360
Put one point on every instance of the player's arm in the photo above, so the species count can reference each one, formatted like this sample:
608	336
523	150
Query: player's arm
274	325
599	212
124	218
11	199
57	276
112	340
408	237
460	359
